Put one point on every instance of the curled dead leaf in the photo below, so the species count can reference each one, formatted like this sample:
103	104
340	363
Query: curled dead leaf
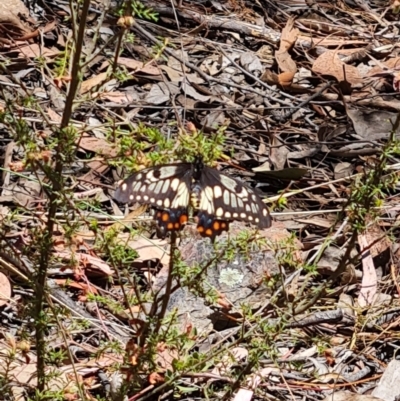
286	78
288	39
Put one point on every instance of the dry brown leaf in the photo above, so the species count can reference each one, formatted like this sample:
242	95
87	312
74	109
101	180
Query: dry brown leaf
173	75
385	67
94	81
372	124
317	221
98	145
87	261
13	19
148	249
128	219
98	166
34	50
135	65
159	93
343	169
25	191
308	42
55	117
117	97
380	242
288	39
5	289
330	64
369	281
86	288
278	154
286	78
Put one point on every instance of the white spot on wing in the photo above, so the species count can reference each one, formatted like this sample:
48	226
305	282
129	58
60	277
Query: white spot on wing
243	215
227	197
209	192
248	208
233	201
175	184
158	187
145	198
166	172
235	215
228	215
124	186
265	213
152	200
131	197
219	212
159	202
138	198
165	186
240	203
250	218
228	182
254	208
166	203
206	202
182	195
217	192
150	176
257	220
136	187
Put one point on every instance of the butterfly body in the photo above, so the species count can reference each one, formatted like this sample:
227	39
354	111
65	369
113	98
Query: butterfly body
216	198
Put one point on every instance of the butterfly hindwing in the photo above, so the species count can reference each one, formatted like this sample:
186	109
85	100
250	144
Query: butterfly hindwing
209	226
223	199
166	188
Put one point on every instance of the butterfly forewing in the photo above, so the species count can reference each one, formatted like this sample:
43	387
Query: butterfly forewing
166	188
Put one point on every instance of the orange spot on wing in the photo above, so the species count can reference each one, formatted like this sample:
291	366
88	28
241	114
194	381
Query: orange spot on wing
183	219
200	229
165	217
223	226
216	226
177	225
170	226
209	232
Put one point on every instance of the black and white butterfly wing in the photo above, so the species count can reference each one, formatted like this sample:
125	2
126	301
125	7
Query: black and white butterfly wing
166	188
217	198
223	199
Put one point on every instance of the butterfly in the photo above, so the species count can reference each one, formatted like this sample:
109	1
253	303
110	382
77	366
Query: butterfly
216	198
